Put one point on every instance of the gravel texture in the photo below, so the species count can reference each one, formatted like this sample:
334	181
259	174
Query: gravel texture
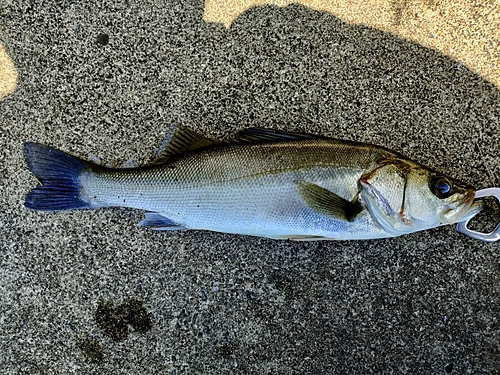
89	292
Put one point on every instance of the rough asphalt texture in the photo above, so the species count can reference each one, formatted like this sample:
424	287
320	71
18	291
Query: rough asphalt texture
89	292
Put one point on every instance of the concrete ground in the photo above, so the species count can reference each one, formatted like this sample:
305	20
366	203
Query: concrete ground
89	292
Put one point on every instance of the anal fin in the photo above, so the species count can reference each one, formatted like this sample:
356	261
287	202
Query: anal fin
156	221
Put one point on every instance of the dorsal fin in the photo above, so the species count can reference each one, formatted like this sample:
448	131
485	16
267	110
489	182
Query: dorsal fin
181	140
257	135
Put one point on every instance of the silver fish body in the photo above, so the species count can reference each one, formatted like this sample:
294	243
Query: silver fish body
275	185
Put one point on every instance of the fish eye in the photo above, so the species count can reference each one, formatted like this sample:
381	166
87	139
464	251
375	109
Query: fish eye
441	187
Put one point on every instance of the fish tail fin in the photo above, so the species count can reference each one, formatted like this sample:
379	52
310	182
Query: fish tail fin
59	174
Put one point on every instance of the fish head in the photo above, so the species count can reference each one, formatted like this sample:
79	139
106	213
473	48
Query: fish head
404	197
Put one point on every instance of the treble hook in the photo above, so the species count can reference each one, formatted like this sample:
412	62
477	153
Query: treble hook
487	237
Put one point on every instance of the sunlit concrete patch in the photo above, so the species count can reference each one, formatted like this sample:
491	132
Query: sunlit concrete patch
464	30
8	74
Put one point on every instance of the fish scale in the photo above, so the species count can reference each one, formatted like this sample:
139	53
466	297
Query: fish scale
245	190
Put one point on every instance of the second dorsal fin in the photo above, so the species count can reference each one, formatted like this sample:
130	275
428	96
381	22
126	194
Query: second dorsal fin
257	135
181	140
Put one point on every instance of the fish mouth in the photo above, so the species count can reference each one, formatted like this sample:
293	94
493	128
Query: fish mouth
467	209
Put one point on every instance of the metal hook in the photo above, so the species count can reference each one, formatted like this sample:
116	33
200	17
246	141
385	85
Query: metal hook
487	237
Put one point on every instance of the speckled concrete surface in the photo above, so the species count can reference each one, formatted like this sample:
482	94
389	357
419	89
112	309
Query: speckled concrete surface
90	292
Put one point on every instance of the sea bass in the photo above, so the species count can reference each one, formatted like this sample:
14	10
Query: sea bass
262	183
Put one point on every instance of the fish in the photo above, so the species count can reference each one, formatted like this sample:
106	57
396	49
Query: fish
262	182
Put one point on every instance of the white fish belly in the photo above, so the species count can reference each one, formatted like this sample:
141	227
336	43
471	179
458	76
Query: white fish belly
266	205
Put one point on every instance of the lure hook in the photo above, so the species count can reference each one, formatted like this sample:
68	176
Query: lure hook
487	237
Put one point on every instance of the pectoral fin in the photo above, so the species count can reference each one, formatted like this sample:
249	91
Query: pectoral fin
326	202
